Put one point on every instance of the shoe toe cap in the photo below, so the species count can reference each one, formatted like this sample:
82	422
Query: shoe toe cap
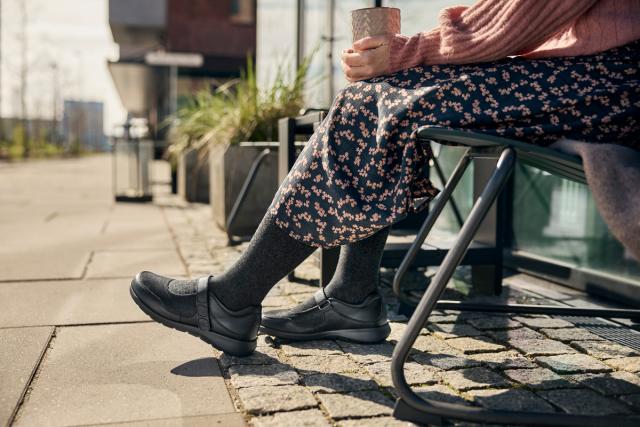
150	289
151	280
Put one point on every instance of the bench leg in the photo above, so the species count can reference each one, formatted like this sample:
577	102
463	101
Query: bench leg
487	279
434	212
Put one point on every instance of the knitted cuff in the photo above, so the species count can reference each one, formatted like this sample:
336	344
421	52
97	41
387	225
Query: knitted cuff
398	54
406	52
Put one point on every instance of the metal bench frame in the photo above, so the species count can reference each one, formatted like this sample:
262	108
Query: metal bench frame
411	407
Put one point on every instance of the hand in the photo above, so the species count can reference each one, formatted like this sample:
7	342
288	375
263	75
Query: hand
367	58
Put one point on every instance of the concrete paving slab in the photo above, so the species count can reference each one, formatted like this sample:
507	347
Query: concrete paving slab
52	215
54	248
142	237
41	264
20	352
224	420
108	264
70	302
123	373
59	226
135	227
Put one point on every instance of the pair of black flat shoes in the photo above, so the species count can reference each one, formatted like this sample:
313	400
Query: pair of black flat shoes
190	307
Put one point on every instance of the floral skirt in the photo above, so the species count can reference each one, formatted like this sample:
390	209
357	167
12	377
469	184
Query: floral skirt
363	168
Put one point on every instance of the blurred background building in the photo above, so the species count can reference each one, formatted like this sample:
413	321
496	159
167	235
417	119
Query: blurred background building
169	49
54	83
82	123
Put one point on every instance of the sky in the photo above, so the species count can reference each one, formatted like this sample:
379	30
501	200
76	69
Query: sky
72	35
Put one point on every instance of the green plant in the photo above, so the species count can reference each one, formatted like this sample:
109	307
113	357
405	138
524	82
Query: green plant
239	110
39	146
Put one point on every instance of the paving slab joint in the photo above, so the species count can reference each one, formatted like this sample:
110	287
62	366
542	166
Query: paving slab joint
28	387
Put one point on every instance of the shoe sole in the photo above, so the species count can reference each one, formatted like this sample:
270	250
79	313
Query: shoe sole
363	336
223	343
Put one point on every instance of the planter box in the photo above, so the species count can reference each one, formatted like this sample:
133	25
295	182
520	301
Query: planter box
193	177
229	168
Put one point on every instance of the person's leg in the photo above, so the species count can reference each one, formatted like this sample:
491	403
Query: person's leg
357	273
270	256
348	308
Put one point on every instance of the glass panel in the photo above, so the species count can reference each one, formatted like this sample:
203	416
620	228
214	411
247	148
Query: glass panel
448	157
275	37
242	11
342	36
420	15
558	219
315	36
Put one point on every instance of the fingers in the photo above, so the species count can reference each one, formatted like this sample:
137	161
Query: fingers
370	42
353	59
366	59
355	65
357	73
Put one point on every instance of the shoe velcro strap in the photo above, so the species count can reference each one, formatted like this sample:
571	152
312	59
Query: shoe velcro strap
321	299
202	303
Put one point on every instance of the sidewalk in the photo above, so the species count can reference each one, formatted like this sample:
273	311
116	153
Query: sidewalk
74	349
80	352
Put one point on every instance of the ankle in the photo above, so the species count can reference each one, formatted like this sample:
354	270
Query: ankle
225	295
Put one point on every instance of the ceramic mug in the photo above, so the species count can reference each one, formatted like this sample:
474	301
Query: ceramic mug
375	21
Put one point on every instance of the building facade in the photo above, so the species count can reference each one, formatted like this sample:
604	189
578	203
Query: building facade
82	125
199	43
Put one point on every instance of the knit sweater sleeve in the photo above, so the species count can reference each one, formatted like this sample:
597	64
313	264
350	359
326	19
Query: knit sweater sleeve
486	31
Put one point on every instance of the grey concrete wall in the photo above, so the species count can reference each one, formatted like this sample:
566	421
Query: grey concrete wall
193	177
138	13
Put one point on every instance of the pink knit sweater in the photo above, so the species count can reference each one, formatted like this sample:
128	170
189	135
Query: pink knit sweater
494	29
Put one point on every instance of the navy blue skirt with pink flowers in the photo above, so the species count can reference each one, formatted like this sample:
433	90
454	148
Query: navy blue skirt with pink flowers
363	168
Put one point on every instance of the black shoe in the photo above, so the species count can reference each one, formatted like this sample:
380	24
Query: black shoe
324	317
188	307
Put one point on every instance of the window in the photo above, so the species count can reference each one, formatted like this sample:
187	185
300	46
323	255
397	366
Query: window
243	11
275	37
558	220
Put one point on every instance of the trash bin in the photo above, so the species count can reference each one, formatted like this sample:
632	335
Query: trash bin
131	170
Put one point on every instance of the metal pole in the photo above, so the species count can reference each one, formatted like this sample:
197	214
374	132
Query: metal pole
299	43
54	106
331	5
173	89
24	81
1	120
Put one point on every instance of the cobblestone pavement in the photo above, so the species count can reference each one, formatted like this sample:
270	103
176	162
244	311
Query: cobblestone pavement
532	363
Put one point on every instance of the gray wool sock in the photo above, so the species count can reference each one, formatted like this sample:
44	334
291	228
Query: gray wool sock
270	256
358	269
